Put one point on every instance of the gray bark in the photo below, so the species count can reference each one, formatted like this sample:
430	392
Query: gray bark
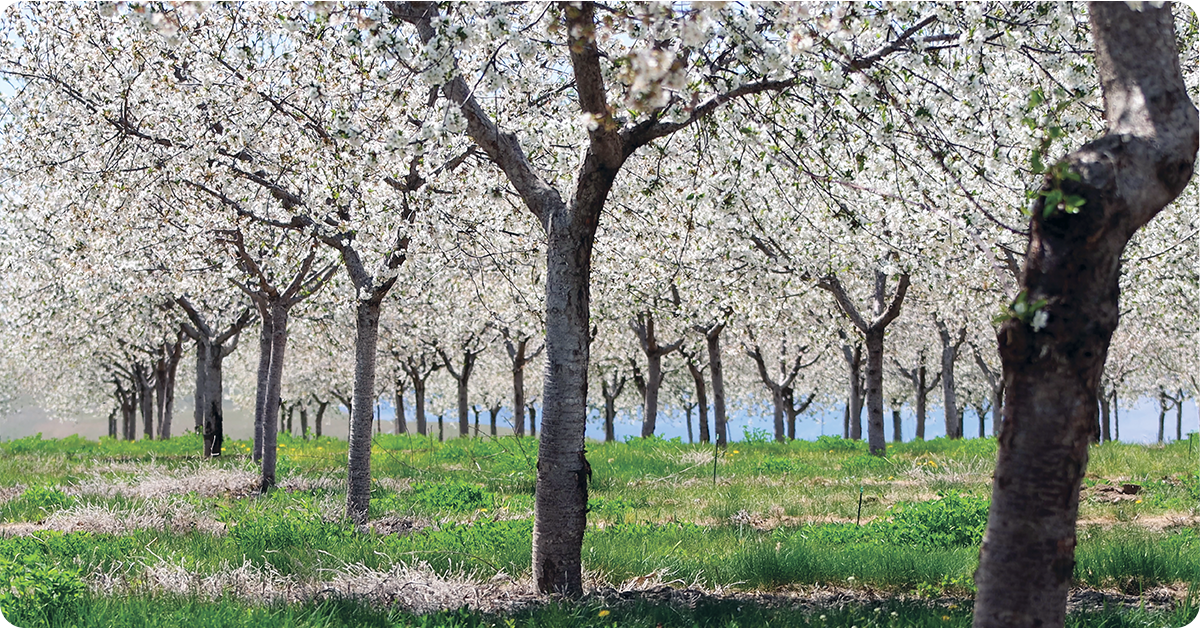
610	391
701	396
419	368
401	422
897	435
1072	268
787	375
144	379
954	428
358	492
872	331
518	353
852	427
995	382
917	377
470	350
713	339
643	327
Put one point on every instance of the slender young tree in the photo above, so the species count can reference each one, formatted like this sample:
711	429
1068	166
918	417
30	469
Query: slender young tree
917	377
1054	343
642	326
950	348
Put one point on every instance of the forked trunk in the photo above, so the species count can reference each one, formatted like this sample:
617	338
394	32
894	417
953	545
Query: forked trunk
1054	347
358	492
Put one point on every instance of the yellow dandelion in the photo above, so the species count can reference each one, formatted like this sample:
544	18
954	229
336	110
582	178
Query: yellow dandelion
945	618
605	613
734	451
891	477
1138	501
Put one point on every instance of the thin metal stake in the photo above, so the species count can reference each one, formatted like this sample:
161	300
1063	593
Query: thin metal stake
858	520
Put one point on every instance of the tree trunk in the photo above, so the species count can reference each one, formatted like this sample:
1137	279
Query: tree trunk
877	441
687	411
145	392
168	416
1054	347
1162	416
654	377
532	421
897	436
278	340
518	378
713	338
701	399
610	392
464	420
493	414
954	427
358	492
320	418
922	402
789	412
997	410
201	386
1105	419
1116	406
214	427
419	406
401	422
777	413
846	420
1179	416
304	421
852	427
264	375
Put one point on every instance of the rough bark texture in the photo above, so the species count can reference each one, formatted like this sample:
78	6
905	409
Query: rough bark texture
358	493
560	505
279	318
1052	372
263	375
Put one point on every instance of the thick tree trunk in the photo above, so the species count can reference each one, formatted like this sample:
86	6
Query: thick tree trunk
264	374
876	440
358	492
713	338
789	412
1053	349
278	339
213	428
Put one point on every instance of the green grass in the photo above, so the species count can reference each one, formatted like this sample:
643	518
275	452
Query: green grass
780	516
